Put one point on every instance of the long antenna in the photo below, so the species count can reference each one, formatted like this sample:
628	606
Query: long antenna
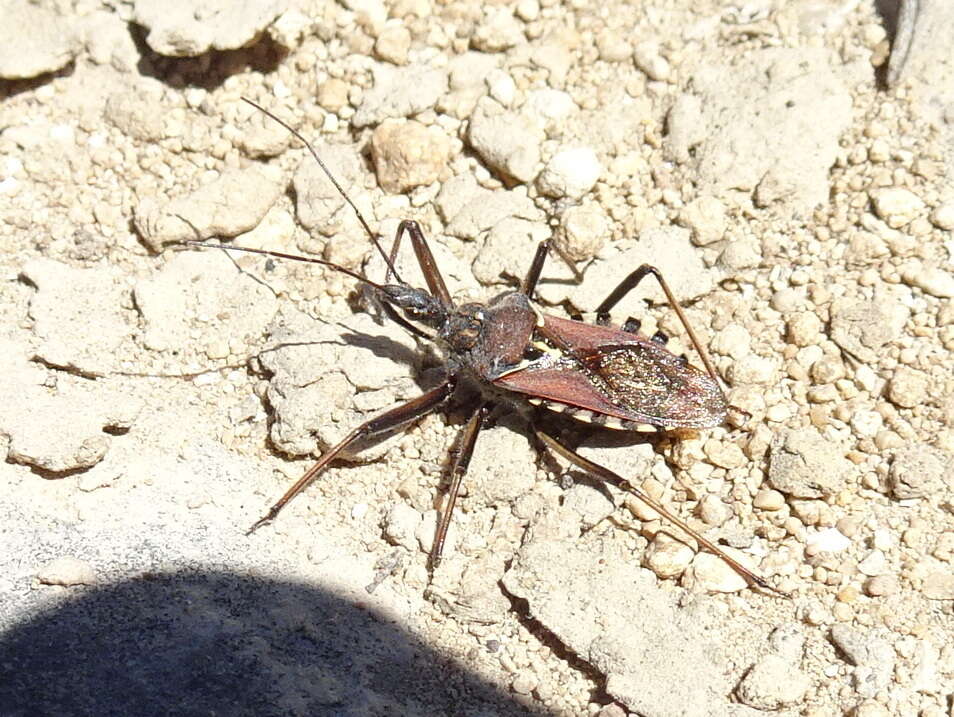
295	257
341	191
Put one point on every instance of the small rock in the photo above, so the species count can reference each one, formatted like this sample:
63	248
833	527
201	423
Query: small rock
896	206
734	341
191	27
711	573
647	58
866	424
509	142
34	40
393	44
931	279
705	217
667	557
882	586
408	154
524	683
872	655
333	94
584	230
589	503
67	571
943	216
919	471
232	204
714	511
938	586
908	387
613	46
499	31
805	465
400	526
769	500
772	683
829	540
863	327
874	563
804	329
759	370
570	173
724	454
400	92
501	87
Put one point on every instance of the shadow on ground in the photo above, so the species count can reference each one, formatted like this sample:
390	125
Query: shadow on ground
206	643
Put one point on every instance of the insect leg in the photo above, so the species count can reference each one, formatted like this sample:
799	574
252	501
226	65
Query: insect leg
631	282
530	281
603	473
389	420
432	275
465	450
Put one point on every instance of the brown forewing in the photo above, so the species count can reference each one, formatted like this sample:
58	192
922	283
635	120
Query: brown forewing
627	376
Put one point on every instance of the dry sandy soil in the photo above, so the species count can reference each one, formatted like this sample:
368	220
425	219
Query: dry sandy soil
158	397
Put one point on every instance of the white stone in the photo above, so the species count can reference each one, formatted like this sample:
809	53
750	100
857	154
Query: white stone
932	280
830	540
873	564
943	216
570	173
896	206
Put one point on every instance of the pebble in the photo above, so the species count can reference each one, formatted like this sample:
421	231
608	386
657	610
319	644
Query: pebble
712	574
753	369
847	594
408	154
705	218
908	387
943	216
896	206
767	499
501	87
714	511
585	228
393	44
401	525
938	586
733	340
647	58
920	470
667	557
612	46
724	454
571	172
804	328
66	571
333	95
508	142
882	586
829	540
932	280
803	464
524	683
866	424
874	563
772	683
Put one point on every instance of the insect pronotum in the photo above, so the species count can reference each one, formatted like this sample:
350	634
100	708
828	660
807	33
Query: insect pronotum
531	361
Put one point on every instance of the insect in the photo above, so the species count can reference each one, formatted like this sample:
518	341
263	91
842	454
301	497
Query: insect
517	356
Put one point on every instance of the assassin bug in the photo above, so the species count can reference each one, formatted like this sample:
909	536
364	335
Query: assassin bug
516	355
